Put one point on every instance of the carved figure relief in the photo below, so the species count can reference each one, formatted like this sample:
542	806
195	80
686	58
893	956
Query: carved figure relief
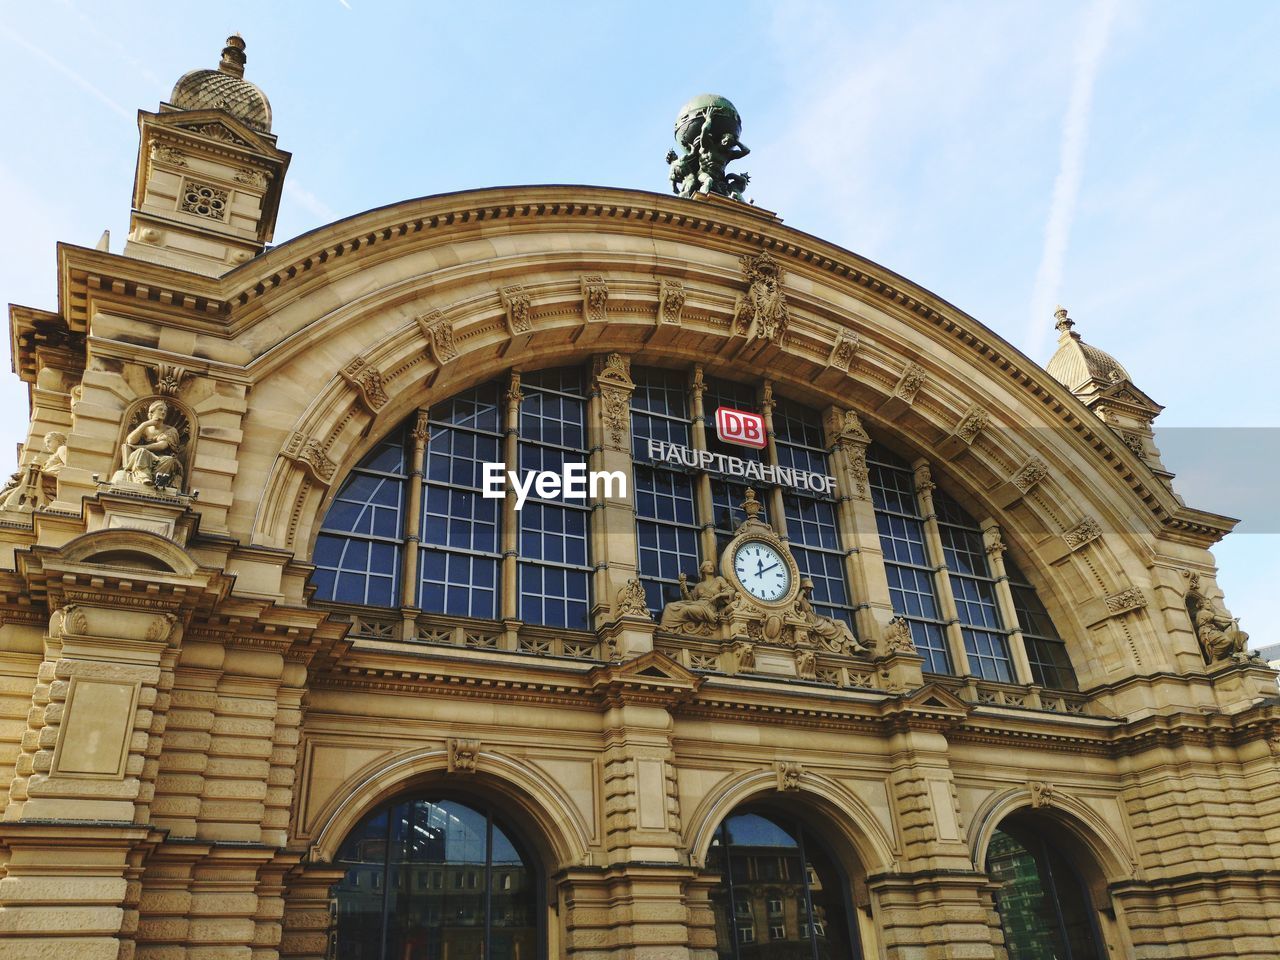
761	313
742	657
701	608
897	637
806	665
833	634
789	773
1220	636
153	449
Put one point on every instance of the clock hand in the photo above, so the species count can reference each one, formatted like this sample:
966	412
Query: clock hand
759	568
765	570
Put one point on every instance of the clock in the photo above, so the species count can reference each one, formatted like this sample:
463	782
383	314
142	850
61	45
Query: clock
762	570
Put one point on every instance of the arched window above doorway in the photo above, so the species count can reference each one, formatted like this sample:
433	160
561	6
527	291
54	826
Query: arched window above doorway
430	877
780	892
1042	899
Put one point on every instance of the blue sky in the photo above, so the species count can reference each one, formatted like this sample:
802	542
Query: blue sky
1118	157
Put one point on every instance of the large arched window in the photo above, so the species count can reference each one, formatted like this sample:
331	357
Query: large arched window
1042	900
780	893
970	610
433	877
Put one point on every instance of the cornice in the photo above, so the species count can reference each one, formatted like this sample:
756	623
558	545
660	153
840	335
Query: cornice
227	306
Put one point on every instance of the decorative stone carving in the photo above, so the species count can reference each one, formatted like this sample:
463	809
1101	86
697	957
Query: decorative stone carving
924	479
670	301
761	313
55	446
203	200
438	332
806	665
421	432
310	453
742	656
215	131
1220	636
897	637
367	379
514	393
972	423
1030	474
167	378
630	601
1083	532
909	383
166	153
252	178
153	448
789	773
702	608
595	299
161	627
834	635
614	383
463	755
707	130
1130	598
1042	794
1133	442
994	546
518	305
843	350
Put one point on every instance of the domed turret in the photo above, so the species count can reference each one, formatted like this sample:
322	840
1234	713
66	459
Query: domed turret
1076	363
225	89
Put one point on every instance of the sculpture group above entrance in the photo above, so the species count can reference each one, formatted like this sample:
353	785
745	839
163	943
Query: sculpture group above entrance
758	596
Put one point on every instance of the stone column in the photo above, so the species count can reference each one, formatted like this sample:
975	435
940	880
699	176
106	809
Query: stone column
510	597
864	561
702	481
942	582
413	521
777	514
613	524
994	545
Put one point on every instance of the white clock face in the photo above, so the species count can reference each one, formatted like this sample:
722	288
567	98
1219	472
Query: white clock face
762	571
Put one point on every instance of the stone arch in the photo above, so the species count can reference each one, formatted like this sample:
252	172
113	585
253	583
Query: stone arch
1108	852
842	812
128	547
393	273
541	810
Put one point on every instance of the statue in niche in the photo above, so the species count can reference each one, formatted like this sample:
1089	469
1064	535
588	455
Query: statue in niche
708	130
152	451
702	608
1220	637
833	634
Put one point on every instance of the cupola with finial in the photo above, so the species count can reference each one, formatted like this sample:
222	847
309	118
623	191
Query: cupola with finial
1104	386
209	176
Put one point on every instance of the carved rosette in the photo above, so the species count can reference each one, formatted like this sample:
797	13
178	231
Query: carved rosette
670	301
614	384
367	379
843	351
595	299
463	755
1083	532
761	313
437	330
909	383
310	453
1030	474
519	307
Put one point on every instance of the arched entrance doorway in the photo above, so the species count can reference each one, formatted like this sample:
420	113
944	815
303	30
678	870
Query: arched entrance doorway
1042	898
429	878
781	893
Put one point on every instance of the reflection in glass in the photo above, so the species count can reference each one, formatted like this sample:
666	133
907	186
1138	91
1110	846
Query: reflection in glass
780	896
1044	907
432	879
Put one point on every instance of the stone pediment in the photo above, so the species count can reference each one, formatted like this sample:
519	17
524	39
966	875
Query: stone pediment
218	126
930	704
652	674
1124	392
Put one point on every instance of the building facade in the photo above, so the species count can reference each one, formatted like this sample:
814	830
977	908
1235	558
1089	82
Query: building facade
940	670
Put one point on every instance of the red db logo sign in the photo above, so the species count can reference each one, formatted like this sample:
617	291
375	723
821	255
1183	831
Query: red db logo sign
740	427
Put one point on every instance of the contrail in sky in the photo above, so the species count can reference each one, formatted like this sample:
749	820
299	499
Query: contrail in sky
62	68
1066	188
